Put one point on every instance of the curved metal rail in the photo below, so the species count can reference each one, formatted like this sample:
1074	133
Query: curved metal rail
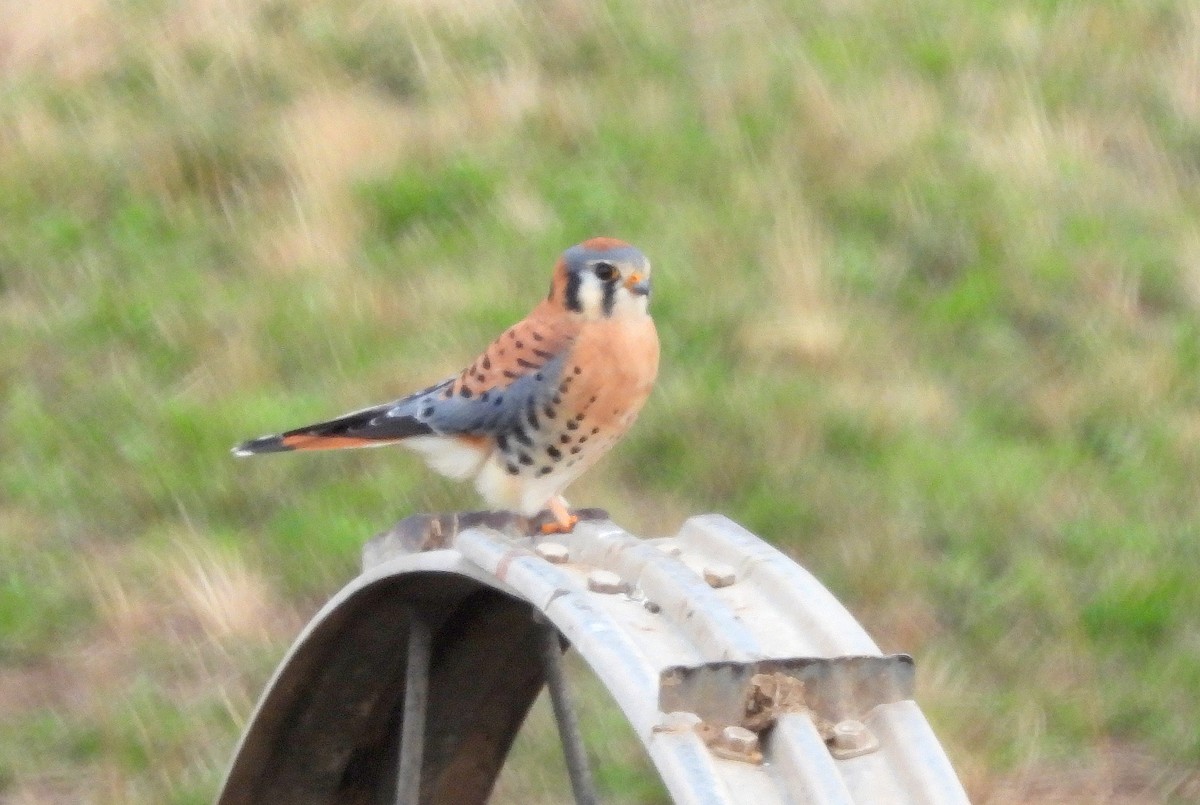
742	675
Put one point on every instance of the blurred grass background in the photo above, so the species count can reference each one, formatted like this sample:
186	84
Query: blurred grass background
927	281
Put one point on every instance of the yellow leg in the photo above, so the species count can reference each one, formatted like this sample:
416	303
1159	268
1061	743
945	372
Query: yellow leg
564	521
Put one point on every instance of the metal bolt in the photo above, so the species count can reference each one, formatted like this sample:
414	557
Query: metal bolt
678	721
739	739
719	575
849	734
605	581
851	738
554	552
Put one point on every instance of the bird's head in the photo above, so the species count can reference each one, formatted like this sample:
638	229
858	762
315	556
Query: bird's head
602	278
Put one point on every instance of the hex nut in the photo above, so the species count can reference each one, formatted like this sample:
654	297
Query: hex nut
678	721
732	743
739	739
849	734
719	575
851	738
554	552
605	581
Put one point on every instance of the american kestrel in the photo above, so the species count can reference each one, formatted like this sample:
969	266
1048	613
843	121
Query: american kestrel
543	402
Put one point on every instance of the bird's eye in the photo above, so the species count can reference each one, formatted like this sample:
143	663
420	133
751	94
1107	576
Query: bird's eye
606	272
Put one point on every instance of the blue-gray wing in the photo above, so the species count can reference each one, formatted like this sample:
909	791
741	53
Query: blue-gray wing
453	408
506	391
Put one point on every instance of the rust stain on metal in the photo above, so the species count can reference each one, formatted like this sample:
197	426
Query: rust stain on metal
770	696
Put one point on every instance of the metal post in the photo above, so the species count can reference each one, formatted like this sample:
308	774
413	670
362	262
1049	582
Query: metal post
416	701
568	723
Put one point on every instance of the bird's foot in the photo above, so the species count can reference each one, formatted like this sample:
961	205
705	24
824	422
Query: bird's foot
564	521
560	527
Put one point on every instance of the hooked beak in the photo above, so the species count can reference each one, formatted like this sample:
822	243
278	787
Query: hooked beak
637	285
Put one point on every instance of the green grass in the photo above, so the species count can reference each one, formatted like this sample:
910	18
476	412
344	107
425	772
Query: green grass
927	281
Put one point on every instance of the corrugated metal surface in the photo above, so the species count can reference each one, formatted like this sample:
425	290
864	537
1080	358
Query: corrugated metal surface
701	613
773	609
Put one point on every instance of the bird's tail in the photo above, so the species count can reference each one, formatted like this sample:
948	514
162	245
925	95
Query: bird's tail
378	425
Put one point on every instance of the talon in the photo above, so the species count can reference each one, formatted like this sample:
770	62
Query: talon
560	527
563	521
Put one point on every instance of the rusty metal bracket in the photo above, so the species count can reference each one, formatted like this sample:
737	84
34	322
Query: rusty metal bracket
754	694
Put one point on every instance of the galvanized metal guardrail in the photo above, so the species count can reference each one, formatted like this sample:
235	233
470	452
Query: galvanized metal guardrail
744	678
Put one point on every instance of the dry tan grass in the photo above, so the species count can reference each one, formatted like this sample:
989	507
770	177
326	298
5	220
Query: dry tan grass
1112	774
804	322
71	39
222	595
330	138
185	604
1181	68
